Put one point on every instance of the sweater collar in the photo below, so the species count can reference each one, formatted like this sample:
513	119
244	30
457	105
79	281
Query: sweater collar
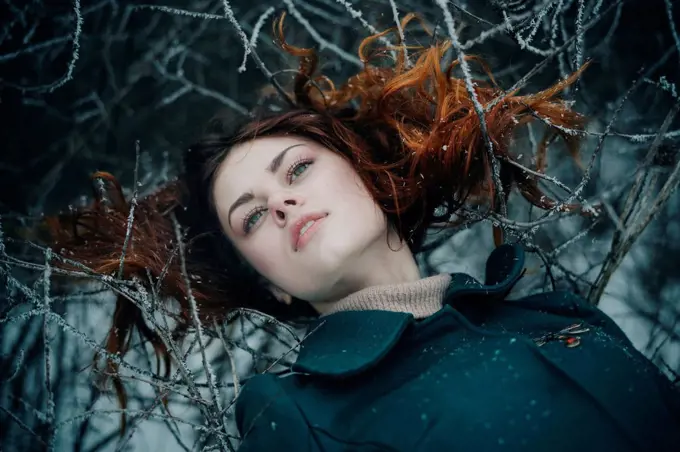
349	342
421	298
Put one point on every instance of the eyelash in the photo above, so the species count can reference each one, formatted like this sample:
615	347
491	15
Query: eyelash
291	169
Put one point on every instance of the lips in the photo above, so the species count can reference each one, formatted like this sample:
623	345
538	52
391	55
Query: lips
298	225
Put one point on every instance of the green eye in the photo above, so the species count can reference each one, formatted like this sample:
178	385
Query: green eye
250	217
294	167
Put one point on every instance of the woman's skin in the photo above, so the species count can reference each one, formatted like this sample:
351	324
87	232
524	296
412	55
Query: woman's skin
349	251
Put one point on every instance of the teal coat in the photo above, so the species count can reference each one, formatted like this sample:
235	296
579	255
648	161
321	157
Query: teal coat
475	376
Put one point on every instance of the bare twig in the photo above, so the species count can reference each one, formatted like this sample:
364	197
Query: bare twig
537	68
131	215
229	15
323	43
214	392
671	23
402	39
72	63
479	109
47	273
23	426
622	242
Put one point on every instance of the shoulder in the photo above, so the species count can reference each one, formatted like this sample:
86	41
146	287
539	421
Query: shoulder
267	416
570	304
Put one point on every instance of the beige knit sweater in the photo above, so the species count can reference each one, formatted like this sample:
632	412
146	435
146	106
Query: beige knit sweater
421	298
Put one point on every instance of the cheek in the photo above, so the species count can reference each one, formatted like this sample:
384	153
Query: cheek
263	260
344	187
260	262
357	200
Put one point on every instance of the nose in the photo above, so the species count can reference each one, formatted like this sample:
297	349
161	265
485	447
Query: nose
280	206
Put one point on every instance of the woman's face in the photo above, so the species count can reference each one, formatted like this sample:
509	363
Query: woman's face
347	249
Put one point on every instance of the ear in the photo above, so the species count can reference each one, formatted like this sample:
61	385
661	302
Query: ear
280	295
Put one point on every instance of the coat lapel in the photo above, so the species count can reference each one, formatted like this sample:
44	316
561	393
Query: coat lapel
347	343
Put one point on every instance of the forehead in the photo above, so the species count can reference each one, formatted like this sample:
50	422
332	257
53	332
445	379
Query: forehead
256	153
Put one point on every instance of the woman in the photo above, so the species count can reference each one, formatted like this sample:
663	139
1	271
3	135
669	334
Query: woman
297	214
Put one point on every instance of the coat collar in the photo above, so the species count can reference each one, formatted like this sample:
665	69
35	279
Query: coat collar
349	342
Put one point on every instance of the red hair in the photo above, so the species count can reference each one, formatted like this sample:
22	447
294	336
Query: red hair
411	133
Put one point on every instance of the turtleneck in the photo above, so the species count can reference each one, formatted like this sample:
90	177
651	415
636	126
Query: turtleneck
421	298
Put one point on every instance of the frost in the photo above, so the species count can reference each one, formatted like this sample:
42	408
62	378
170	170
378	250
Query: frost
667	86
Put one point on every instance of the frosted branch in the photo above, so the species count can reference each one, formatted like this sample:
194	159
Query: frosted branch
323	43
131	214
395	15
671	23
538	67
479	109
214	392
47	274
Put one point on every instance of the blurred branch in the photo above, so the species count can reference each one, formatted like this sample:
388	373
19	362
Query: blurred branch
638	198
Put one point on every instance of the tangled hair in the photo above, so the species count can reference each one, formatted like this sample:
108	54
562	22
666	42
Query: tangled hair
410	131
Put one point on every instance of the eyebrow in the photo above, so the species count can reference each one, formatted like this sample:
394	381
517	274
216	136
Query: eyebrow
273	167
